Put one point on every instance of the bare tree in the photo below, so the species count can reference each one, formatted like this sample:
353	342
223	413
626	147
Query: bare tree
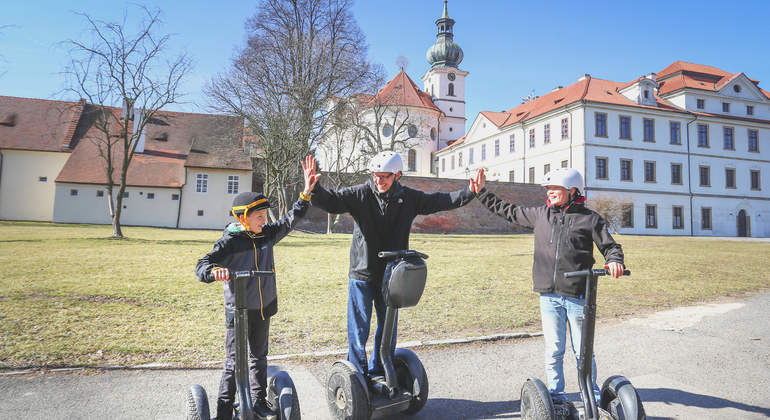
109	67
299	54
613	208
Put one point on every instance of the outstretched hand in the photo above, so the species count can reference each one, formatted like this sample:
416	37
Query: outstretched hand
311	178
477	183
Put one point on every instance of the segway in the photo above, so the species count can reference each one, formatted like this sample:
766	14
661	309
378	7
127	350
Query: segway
405	387
619	399
281	395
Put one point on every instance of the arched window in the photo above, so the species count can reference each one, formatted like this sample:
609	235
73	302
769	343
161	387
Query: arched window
451	89
411	160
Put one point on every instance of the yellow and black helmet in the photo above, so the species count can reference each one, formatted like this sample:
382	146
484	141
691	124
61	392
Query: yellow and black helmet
250	201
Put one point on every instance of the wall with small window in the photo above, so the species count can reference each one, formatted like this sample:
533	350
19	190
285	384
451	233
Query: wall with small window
141	206
222	186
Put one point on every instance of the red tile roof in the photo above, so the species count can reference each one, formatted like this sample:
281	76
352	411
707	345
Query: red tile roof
402	91
37	124
174	141
681	74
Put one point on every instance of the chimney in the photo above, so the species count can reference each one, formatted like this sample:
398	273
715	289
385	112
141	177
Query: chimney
583	77
653	77
139	137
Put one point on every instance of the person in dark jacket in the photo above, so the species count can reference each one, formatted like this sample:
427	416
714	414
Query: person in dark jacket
383	211
248	245
565	234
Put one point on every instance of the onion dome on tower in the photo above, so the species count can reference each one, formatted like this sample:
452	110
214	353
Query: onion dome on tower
445	53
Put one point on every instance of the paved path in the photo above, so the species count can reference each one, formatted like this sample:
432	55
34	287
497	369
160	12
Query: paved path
706	362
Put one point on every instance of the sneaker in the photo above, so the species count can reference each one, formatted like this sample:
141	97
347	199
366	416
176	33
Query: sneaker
263	411
561	411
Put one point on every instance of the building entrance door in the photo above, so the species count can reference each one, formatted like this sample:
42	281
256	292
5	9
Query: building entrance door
742	231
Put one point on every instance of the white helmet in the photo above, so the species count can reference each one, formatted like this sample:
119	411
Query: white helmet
564	177
387	161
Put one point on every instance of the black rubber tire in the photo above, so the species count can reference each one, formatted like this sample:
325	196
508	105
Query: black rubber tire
346	397
272	394
197	404
405	378
609	393
532	405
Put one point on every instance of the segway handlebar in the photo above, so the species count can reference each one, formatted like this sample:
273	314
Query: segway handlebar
237	275
401	254
595	272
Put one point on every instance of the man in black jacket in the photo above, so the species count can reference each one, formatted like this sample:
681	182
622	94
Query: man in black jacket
383	211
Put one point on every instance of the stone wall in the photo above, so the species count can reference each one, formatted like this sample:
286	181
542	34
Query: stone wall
472	218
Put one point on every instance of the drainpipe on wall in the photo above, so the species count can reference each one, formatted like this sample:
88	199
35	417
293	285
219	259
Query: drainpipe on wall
179	206
689	177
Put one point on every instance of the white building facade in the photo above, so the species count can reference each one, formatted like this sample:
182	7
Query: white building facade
689	145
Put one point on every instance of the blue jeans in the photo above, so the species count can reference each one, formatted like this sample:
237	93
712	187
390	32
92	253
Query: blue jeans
362	296
556	312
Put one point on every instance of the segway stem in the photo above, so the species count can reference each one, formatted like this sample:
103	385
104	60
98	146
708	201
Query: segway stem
240	280
386	356
585	368
585	365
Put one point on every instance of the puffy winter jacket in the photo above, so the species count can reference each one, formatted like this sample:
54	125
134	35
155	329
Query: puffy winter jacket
564	242
382	220
239	250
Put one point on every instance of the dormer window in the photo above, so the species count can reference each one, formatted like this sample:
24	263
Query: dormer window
646	94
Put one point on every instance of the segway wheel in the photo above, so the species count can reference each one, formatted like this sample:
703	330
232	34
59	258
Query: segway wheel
621	400
282	396
534	404
411	378
197	404
345	395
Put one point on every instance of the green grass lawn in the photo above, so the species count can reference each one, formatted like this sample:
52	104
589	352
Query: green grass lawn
71	295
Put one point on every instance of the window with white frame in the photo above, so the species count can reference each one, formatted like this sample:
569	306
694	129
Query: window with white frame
546	133
564	128
233	181
201	183
512	141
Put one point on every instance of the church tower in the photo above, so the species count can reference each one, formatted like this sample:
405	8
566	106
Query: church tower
445	82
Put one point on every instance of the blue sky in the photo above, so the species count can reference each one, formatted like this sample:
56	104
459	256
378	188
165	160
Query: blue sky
511	47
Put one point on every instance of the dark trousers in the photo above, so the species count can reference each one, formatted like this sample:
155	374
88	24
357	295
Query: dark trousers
258	335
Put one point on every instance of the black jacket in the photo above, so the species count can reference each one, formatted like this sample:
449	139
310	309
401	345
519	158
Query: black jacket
382	221
239	249
564	242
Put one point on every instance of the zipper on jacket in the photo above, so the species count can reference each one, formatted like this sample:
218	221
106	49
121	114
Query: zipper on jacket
553	229
569	229
259	279
558	248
